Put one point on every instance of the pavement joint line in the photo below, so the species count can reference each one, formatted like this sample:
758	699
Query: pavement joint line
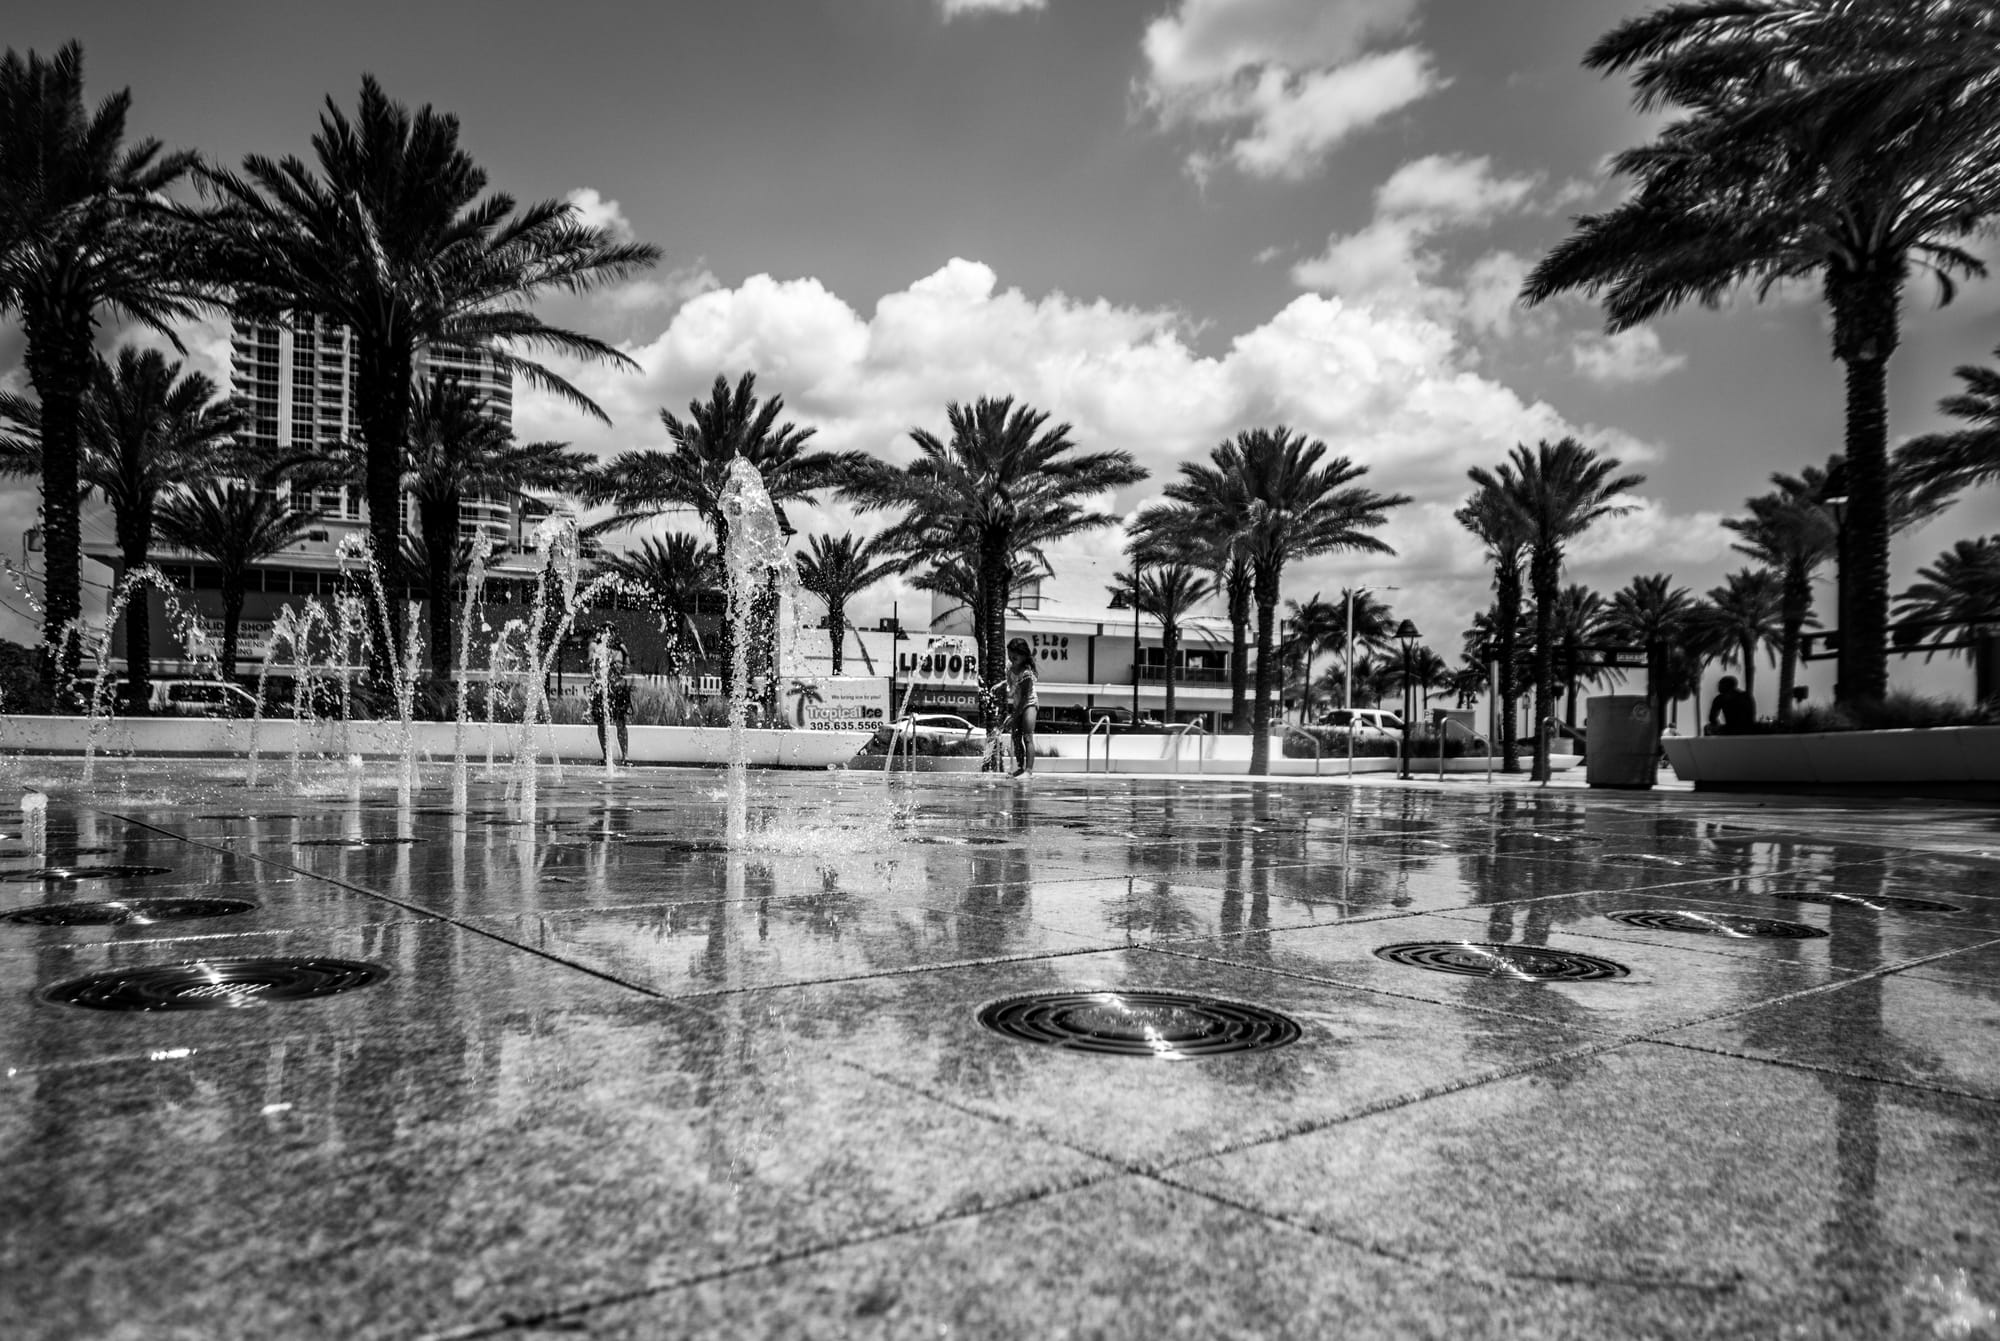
1713	947
1820	1068
234	935
1438	1264
406	905
908	970
510	1323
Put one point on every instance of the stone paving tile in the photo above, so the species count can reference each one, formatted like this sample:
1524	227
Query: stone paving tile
1664	986
1781	1202
471	1158
1359	1050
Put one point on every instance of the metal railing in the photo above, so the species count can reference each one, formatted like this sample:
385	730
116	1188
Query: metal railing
1102	724
1180	732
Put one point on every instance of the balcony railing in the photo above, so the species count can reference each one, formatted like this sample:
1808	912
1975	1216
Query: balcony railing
1186	675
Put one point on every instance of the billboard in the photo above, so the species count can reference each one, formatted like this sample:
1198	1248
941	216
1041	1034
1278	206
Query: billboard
837	703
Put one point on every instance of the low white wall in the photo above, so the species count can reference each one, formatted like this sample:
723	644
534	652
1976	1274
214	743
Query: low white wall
232	737
1933	754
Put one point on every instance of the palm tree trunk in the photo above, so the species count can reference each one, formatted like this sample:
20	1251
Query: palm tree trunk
382	386
132	546
1170	643
1547	577
1260	712
232	621
836	628
991	620
1506	624
1748	647
439	521
59	364
1865	331
1797	603
1238	592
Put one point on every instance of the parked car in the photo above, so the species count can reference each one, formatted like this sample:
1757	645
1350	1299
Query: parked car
200	698
1365	722
933	726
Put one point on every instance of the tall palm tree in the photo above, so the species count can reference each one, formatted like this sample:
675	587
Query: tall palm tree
1180	531
1269	488
1821	139
671	574
1557	491
1168	591
1791	534
1314	624
838	568
692	474
233	524
1653	615
460	450
1966	456
1004	484
146	427
1578	624
1747	618
82	230
1428	672
392	234
1959	596
1498	525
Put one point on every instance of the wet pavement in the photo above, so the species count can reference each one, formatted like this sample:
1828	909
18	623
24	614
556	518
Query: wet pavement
1692	1067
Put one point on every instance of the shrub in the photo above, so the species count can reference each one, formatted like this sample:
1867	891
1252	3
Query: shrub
1899	710
1332	744
21	687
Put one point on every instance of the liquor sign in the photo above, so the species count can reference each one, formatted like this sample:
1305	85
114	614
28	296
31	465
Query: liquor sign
837	703
946	661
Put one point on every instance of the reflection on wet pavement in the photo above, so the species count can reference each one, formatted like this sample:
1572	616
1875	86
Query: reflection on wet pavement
1689	1068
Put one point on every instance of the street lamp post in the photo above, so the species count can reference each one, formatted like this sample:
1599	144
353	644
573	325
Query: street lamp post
1407	635
1136	566
1836	503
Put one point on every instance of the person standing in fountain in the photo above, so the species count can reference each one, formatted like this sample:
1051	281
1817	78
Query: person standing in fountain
613	698
1022	701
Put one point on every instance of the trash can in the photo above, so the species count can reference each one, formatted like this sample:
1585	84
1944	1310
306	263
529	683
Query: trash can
1621	741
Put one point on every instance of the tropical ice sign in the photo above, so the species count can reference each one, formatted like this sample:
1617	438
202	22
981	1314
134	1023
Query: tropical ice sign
838	703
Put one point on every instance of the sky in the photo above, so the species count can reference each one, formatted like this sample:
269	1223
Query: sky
1160	221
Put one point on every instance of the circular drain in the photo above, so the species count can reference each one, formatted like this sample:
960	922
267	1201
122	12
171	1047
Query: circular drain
1519	963
1171	1026
1716	924
215	984
57	874
1879	903
125	912
351	842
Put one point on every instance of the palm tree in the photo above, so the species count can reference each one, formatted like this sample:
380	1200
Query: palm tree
1466	683
692	474
1491	516
1842	141
837	568
1005	485
1966	456
81	230
1791	534
1664	621
1268	488
1746	618
458	450
1959	595
394	237
672	575
1171	530
233	524
1558	491
1167	590
1578	624
146	427
1314	624
1428	672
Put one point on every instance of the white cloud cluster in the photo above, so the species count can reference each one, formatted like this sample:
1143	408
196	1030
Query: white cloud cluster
1283	81
594	210
1392	390
952	9
1393	262
1632	355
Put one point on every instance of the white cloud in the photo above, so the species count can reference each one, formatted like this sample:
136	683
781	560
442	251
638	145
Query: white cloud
1393	390
1284	81
1632	355
1392	262
594	210
956	8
